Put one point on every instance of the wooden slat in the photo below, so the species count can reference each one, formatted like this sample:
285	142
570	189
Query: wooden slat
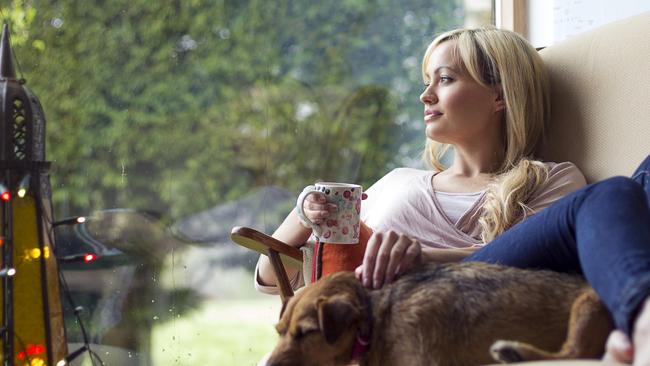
283	281
261	243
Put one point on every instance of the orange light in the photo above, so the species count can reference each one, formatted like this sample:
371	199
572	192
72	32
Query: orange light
89	257
5	196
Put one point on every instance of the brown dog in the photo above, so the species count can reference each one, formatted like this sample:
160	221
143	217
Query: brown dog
450	314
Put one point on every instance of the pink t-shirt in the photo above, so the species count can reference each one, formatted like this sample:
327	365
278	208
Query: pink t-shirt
404	201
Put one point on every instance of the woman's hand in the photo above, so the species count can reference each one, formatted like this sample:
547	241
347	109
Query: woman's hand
388	255
316	208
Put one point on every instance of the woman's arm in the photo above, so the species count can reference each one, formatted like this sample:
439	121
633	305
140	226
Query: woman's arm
448	255
290	232
389	254
293	233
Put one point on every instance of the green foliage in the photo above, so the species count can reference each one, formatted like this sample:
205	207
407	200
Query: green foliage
178	106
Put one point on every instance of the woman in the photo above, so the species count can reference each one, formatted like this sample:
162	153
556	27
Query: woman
487	95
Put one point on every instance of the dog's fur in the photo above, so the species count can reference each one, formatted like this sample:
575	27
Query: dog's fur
451	314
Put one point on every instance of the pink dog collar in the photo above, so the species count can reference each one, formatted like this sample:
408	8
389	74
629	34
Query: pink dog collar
361	346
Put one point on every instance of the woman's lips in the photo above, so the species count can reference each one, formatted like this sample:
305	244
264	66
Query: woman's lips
431	115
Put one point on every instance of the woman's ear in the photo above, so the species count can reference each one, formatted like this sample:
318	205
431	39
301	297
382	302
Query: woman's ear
499	100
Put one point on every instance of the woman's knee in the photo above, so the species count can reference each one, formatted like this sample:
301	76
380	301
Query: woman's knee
617	188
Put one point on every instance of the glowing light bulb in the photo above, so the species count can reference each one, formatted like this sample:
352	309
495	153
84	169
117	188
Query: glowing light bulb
37	361
35	253
23	186
7	272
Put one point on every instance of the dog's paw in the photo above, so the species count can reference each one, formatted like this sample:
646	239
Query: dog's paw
506	352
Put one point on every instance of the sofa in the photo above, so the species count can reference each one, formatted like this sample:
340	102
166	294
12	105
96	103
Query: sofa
600	85
600	105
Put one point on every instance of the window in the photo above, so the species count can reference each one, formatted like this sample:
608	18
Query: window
170	122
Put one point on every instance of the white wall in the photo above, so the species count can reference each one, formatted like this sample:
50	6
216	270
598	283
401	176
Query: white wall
551	21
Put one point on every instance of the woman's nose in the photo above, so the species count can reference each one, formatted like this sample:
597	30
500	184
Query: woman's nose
428	96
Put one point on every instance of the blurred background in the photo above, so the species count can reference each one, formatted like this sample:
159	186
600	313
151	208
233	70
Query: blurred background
169	122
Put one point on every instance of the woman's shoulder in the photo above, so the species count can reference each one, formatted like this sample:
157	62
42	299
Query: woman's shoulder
565	171
405	175
400	177
409	172
563	178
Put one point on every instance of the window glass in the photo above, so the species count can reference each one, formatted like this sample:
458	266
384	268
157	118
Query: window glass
170	122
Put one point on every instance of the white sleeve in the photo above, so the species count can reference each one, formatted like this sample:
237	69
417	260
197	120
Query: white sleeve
296	282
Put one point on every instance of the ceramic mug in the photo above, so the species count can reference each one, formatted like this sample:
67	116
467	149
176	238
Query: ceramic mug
341	226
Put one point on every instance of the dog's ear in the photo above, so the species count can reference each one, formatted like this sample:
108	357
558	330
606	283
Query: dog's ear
335	314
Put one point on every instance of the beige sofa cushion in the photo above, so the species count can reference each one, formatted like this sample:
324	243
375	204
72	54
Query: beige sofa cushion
600	98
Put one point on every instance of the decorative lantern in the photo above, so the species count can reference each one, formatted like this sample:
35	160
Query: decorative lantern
32	330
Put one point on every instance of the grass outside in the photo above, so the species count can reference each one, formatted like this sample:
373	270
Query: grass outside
222	332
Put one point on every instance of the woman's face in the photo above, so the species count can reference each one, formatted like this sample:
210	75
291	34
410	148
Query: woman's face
457	110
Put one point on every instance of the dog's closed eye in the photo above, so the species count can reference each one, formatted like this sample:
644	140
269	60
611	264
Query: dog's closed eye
301	332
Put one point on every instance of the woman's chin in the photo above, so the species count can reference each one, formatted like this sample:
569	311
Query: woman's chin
434	133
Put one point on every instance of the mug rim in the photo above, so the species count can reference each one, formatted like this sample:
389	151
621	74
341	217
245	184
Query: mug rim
337	184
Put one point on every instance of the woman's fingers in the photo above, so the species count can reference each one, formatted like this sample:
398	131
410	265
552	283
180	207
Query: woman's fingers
316	208
412	256
397	253
619	348
388	240
387	255
369	257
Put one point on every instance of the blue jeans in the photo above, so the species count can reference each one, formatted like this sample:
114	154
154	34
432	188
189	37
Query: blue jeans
601	231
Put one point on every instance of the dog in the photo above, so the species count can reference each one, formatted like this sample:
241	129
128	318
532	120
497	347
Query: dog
443	314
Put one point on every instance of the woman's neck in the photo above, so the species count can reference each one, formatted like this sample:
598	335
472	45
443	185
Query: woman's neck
475	162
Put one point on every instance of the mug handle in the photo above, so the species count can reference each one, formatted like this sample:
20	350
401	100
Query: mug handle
300	201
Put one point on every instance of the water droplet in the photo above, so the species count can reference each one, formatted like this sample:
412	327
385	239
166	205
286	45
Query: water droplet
156	317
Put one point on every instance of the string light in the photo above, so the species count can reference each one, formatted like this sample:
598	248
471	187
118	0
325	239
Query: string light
5	195
23	187
7	272
72	356
70	221
77	258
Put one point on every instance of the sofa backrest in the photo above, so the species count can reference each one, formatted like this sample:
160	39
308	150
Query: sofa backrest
600	99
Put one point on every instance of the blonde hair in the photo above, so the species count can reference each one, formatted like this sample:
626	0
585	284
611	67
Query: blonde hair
498	57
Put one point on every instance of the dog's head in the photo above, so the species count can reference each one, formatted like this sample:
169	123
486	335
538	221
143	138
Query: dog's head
320	324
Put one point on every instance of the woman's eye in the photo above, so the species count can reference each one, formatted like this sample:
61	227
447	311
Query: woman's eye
445	79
